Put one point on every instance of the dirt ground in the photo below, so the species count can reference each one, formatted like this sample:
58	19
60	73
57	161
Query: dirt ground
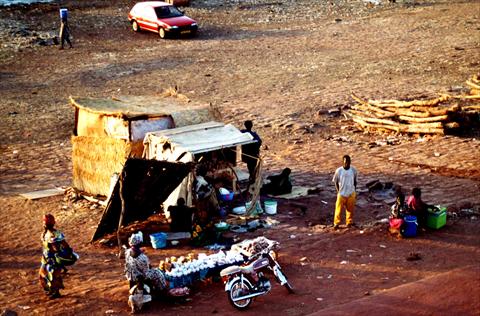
283	64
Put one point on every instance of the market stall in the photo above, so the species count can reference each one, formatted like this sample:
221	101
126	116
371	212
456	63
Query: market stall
214	147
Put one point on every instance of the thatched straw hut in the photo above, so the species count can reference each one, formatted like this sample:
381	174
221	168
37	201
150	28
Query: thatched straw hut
108	131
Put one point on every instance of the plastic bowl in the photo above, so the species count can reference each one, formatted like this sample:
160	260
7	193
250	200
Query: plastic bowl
239	210
227	197
222	226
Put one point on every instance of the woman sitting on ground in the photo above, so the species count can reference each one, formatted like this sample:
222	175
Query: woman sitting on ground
417	207
397	212
137	266
400	208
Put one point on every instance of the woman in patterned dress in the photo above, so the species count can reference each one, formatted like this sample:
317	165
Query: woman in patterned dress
50	273
137	266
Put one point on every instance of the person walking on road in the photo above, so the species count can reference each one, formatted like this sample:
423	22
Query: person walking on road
64	29
251	151
55	255
345	180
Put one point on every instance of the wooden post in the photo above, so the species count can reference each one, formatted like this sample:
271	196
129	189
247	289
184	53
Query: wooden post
120	220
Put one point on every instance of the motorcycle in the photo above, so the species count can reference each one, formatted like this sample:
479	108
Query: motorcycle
244	283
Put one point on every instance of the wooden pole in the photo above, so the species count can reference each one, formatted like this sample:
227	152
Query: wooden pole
423	119
363	105
120	220
422	128
375	120
257	186
406	104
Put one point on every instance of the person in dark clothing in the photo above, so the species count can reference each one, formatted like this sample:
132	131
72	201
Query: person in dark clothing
417	207
251	152
279	184
64	30
181	217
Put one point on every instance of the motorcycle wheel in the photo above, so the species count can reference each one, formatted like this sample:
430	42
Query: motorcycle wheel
239	289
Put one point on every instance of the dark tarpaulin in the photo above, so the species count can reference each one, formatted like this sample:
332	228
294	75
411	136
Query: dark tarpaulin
146	185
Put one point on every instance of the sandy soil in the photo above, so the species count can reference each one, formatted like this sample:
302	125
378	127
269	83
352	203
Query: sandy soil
283	64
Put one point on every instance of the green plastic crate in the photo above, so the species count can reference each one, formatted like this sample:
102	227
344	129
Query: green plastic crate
437	220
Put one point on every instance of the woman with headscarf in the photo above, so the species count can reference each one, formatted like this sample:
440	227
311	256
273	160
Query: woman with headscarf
55	250
137	266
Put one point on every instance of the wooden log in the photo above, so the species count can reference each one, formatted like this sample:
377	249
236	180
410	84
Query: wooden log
375	120
374	111
425	125
425	122
354	112
417	129
475	96
435	111
358	99
406	104
471	112
471	107
364	124
379	128
366	106
472	84
421	128
423	119
409	112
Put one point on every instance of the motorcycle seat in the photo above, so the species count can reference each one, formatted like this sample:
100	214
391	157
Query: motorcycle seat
230	270
248	268
237	269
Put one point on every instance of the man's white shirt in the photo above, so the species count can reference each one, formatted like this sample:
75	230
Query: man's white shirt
346	180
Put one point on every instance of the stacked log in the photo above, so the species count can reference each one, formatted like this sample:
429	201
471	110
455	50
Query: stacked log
433	116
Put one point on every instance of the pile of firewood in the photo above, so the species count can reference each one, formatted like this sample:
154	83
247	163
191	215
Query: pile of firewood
434	116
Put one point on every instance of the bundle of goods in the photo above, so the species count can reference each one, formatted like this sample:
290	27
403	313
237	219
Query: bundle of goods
435	116
251	247
184	271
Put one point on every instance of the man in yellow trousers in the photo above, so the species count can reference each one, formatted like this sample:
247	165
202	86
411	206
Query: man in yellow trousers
345	180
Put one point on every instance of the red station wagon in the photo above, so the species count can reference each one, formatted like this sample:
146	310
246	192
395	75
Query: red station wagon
162	18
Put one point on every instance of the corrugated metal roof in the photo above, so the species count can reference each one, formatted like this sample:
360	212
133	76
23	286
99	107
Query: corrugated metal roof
201	137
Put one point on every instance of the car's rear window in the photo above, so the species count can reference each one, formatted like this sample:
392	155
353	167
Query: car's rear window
168	11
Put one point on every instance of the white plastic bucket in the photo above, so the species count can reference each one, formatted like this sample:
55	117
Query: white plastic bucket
270	207
63	13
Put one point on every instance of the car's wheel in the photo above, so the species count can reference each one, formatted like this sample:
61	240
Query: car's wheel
135	26
162	33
